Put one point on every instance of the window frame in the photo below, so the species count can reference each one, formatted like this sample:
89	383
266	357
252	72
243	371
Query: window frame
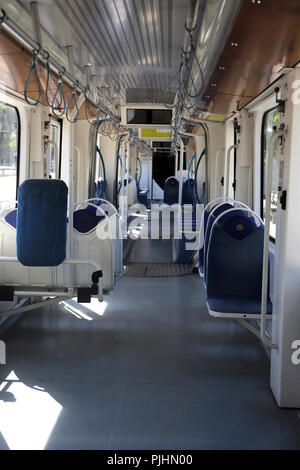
18	145
262	166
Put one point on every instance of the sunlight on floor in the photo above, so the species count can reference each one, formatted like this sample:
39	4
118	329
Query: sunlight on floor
84	311
28	415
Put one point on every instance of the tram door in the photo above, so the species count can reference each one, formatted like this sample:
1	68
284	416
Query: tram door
163	166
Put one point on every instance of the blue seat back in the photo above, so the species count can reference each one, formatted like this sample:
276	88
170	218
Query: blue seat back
171	191
85	220
201	251
234	261
188	191
11	218
42	222
100	191
214	213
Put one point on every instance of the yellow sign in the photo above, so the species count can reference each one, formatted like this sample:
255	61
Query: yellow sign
155	133
213	117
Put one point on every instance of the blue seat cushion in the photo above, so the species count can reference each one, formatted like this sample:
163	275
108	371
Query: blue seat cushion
234	270
85	220
42	222
11	218
214	213
236	305
171	188
188	192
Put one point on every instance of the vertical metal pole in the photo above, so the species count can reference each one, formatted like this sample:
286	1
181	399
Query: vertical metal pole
194	166
127	175
181	172
150	174
71	60
87	76
94	87
36	22
71	184
122	177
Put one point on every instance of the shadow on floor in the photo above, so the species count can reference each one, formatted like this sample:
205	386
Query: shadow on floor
148	370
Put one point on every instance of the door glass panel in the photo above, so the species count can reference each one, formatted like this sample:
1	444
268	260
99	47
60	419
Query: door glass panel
9	148
271	118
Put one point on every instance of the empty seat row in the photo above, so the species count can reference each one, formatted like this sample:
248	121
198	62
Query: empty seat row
231	261
100	189
171	191
40	255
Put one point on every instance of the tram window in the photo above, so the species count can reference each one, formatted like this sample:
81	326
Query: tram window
55	136
9	153
270	119
184	161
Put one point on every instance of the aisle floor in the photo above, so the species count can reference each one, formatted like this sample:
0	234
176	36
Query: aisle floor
148	369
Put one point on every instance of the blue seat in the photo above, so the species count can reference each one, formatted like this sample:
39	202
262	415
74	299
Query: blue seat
234	267
201	251
188	191
100	190
11	218
171	191
42	222
214	213
85	220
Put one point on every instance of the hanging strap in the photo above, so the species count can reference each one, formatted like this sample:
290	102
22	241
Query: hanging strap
73	100
33	72
59	92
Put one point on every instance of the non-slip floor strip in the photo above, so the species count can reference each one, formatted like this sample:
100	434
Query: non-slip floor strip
157	270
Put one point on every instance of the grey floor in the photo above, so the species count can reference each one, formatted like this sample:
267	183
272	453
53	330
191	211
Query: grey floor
153	372
149	251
